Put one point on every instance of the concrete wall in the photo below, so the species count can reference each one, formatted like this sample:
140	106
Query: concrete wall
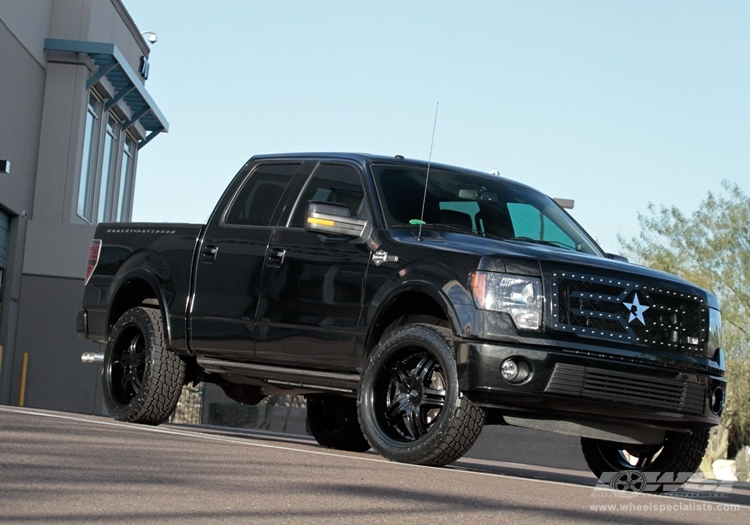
43	100
56	378
22	82
30	31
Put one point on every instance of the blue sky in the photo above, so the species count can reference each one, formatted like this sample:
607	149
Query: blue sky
613	104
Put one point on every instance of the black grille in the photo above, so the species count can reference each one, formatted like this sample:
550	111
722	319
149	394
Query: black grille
630	312
606	385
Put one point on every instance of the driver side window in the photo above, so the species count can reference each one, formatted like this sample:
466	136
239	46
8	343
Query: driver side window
331	183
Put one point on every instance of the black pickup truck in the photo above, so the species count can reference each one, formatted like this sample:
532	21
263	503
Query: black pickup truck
412	304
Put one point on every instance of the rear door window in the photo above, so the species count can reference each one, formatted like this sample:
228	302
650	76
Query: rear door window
260	196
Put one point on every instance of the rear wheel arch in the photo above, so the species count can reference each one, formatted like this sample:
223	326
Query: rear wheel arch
138	289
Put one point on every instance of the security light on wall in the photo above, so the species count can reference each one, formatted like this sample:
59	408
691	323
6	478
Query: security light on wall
4	166
151	36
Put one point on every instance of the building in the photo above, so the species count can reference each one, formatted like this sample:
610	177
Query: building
74	113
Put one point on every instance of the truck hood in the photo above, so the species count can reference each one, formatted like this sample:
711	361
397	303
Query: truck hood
519	257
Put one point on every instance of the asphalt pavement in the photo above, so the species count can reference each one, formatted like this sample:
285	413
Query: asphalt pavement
58	467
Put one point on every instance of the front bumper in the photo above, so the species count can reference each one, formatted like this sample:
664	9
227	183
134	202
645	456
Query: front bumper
568	386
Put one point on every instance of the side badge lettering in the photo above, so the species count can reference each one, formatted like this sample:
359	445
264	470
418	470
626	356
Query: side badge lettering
379	257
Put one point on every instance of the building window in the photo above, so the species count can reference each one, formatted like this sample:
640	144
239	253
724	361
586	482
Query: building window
87	184
108	167
125	185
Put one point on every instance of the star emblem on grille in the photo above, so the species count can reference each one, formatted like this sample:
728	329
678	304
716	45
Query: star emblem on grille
636	309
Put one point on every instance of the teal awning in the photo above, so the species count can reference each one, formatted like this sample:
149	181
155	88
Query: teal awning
112	65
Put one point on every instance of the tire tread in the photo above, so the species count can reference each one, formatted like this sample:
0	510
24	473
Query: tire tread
462	430
163	378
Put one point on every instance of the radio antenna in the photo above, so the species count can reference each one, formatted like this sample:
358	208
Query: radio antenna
427	177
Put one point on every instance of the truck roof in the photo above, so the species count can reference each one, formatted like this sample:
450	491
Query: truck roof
368	158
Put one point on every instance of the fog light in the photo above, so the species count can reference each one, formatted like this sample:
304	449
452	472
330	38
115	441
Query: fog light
717	401
515	370
509	370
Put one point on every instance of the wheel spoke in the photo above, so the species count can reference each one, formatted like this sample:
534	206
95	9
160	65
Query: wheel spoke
433	398
423	368
139	359
413	422
643	461
400	378
133	348
136	381
398	407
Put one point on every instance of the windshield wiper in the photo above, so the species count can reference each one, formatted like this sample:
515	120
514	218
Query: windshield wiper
447	227
556	244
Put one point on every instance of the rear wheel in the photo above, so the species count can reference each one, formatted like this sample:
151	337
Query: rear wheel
334	424
680	452
410	407
142	377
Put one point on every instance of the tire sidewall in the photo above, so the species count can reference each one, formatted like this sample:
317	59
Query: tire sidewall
137	318
429	338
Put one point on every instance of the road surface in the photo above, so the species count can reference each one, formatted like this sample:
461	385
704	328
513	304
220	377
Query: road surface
57	467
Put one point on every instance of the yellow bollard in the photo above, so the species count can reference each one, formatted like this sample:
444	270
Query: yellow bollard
22	390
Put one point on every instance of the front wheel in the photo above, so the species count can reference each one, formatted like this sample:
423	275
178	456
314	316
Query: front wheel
680	452
410	407
333	422
142	377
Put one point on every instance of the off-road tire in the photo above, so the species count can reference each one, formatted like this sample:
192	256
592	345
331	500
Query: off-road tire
680	452
142	377
412	372
334	424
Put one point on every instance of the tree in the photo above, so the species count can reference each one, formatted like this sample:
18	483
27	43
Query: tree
710	248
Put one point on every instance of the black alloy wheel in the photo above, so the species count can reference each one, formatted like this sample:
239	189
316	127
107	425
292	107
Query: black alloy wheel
414	389
142	377
334	424
128	365
680	452
410	406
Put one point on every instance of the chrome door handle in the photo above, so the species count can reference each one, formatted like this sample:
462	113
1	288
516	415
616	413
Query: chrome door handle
275	258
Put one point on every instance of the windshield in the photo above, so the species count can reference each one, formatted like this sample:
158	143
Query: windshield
478	205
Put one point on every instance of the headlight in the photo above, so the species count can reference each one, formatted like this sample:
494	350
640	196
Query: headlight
521	297
714	332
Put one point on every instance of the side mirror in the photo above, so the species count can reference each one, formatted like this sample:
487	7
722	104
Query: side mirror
616	257
333	219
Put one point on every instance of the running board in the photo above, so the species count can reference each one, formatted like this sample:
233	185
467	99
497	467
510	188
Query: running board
279	375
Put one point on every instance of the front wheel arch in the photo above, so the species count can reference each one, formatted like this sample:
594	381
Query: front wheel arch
411	300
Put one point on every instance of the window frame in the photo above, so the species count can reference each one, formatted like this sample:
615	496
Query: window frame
105	196
362	179
108	195
92	141
124	194
279	206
